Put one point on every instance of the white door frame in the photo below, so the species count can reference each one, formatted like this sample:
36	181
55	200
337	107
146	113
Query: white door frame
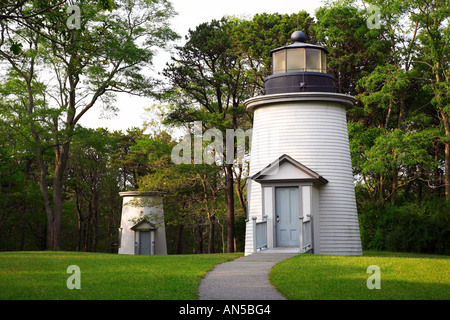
137	235
292	216
269	207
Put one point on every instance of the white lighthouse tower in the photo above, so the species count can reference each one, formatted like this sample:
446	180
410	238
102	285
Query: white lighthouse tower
301	194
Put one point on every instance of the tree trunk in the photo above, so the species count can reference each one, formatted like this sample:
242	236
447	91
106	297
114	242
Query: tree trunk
87	227
200	238
394	186
437	172
419	185
211	219
95	235
394	181
42	170
179	249
211	216
230	208
446	120
79	204
23	229
401	109
381	195
43	188
54	228
239	191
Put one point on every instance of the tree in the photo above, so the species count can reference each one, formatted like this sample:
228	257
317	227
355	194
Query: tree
106	55
90	177
397	94
129	159
253	39
354	49
212	81
433	59
222	64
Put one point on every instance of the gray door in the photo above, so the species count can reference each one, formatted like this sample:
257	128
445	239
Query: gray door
144	242
287	211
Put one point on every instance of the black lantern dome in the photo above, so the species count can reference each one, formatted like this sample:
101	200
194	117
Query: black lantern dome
299	67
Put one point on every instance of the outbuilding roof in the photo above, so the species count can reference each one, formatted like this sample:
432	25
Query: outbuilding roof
143	225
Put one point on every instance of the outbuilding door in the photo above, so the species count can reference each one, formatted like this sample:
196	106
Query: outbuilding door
287	216
144	242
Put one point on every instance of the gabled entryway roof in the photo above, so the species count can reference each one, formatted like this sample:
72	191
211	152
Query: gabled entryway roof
143	226
287	169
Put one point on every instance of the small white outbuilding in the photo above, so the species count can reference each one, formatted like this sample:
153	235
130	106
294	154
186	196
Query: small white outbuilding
142	229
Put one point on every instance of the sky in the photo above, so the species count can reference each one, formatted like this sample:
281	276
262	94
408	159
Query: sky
131	110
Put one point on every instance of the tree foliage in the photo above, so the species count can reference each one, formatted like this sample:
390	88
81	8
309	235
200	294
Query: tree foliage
56	175
106	54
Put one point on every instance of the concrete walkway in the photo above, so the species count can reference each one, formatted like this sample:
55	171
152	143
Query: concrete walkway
245	278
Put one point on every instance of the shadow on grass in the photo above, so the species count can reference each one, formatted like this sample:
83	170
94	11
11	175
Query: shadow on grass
403	255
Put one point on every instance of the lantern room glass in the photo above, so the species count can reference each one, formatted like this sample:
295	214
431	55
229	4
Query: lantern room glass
295	60
313	60
279	62
299	60
324	62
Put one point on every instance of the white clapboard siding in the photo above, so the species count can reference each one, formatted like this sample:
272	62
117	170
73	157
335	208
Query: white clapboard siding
312	129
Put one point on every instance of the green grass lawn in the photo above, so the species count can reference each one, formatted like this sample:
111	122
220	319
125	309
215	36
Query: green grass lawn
43	275
403	276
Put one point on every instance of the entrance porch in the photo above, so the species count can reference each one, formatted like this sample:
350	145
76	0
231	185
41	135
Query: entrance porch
287	215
